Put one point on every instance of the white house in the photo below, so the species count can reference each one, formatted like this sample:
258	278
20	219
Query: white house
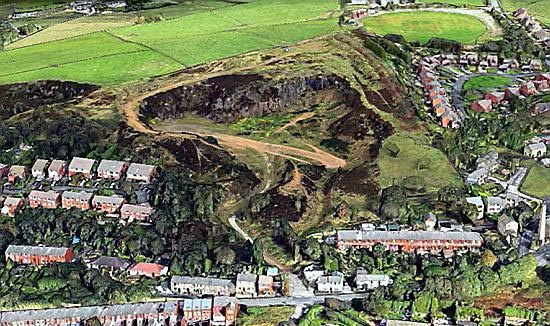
495	205
507	226
331	283
478	177
478	203
38	170
365	281
246	286
535	150
430	220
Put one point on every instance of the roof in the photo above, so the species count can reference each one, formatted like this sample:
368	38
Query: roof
478	173
225	301
82	195
116	200
150	268
80	163
201	281
140	169
128	208
111	166
330	279
407	235
12	201
40	165
478	201
35	250
57	165
264	280
51	195
243	277
18	169
113	262
505	219
371	277
495	201
88	312
536	146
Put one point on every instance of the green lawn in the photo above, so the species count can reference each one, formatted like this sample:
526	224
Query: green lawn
186	41
487	82
265	316
537	182
458	2
421	26
34	4
538	8
414	147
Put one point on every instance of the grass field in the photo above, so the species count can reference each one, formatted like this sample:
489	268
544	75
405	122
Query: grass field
536	184
538	8
487	82
33	4
186	41
421	26
265	316
414	147
458	2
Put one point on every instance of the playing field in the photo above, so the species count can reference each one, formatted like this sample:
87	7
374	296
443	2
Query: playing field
487	82
33	4
537	8
421	26
116	56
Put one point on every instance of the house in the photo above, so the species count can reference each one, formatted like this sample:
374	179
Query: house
246	285
38	170
430	221
511	92
541	77
507	226
113	264
528	89
492	60
44	199
57	170
482	106
82	166
520	13
472	58
495	205
136	212
113	170
542	85
265	286
148	270
81	200
478	177
224	311
535	150
108	204
141	172
410	241
4	170
331	284
199	286
541	108
17	172
365	281
495	97
482	67
535	64
36	255
312	273
488	161
358	2
545	162
512	199
478	203
115	4
11	205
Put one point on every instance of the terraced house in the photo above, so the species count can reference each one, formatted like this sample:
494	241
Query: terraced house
57	170
200	286
12	205
108	204
113	170
35	255
81	200
136	212
82	166
141	172
38	169
44	199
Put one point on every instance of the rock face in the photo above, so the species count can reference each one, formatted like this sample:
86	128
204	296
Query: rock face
229	98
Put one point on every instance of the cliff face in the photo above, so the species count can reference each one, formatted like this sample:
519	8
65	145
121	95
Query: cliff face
229	98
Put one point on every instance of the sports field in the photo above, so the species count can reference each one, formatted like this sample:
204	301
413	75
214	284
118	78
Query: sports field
537	8
120	55
422	25
487	82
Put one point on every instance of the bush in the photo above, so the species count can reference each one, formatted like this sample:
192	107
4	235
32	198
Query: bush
376	49
444	44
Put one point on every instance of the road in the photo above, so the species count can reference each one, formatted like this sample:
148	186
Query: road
237	228
296	301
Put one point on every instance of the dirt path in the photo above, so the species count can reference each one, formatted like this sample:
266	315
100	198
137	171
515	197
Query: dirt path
293	122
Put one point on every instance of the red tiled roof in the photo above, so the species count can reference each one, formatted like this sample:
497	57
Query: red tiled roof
149	268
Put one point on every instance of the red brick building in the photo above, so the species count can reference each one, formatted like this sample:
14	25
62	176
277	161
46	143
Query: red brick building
136	212
482	106
34	255
81	200
11	205
45	199
18	172
108	204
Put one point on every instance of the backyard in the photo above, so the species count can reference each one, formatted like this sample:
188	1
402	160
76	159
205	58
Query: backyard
421	26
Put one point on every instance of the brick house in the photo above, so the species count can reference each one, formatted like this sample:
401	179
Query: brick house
109	169
82	166
199	286
45	199
12	205
148	270
224	311
482	106
545	76
410	241
542	85
35	255
528	89
4	170
265	286
38	169
17	172
511	92
141	172
81	200
108	204
57	170
136	212
495	97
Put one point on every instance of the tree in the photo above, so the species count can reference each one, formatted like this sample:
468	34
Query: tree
311	249
488	258
258	252
224	255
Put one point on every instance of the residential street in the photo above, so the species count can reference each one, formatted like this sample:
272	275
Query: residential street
295	301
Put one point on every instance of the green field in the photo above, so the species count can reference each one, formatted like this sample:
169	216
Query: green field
538	8
414	147
487	82
34	4
173	44
265	316
421	26
458	2
537	182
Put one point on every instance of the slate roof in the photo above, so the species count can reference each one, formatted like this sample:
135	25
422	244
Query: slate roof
113	262
111	166
243	277
51	195
140	169
36	250
81	164
129	208
40	165
407	235
537	146
116	200
82	195
201	281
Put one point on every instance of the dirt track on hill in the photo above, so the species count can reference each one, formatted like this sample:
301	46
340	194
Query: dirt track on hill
130	110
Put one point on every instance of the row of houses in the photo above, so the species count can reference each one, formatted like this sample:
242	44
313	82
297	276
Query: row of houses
492	204
410	241
81	200
379	3
336	282
533	27
57	169
217	311
246	286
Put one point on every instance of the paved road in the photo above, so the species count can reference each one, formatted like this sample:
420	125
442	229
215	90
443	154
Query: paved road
236	227
296	301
